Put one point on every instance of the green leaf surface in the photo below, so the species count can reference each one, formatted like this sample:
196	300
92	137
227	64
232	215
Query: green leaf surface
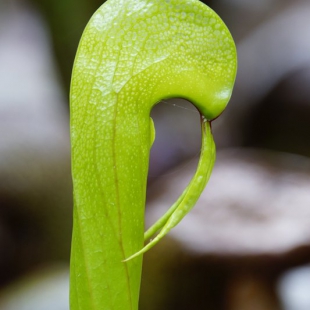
133	54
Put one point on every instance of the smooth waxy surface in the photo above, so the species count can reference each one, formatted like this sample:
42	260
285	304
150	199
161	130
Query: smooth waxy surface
133	54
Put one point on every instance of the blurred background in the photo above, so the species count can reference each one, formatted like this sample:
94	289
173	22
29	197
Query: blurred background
245	246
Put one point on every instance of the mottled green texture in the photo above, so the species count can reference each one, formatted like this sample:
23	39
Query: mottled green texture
132	54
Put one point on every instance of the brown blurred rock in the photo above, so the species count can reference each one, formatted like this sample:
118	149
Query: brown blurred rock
255	203
252	220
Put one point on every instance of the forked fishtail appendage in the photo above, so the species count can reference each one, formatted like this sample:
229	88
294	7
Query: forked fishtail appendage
190	195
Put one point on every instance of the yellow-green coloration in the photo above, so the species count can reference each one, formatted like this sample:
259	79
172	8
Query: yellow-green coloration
132	54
